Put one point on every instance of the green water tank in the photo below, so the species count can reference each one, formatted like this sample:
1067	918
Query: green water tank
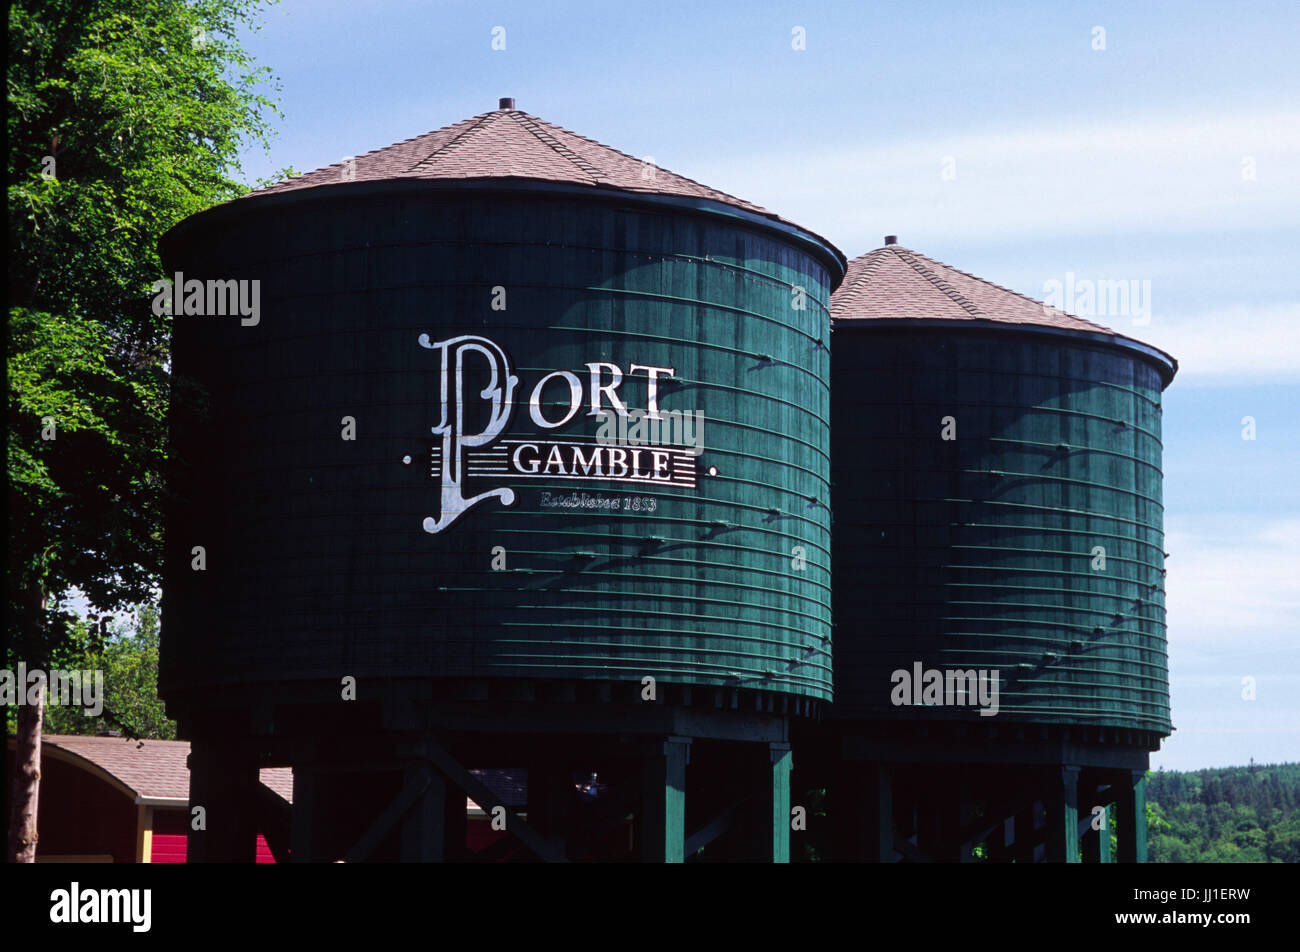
997	500
513	405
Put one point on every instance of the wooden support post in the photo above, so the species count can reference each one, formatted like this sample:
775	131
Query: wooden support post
1062	803
1103	838
772	836
274	819
880	807
423	828
662	826
878	814
455	825
224	784
303	819
1025	828
1096	826
550	797
848	817
143	834
1001	840
927	830
549	850
1131	816
714	828
1090	844
864	812
957	816
416	784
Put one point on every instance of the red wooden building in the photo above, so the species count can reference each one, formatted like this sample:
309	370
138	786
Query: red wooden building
114	800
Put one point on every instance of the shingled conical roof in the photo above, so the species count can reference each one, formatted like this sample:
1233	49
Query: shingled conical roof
897	283
510	144
894	283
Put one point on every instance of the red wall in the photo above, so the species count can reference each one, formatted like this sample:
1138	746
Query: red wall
79	814
169	837
169	828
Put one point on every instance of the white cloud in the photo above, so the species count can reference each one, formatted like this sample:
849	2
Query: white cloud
1219	346
1079	178
1236	591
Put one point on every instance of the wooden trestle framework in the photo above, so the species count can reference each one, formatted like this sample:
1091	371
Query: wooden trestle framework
913	792
387	781
709	769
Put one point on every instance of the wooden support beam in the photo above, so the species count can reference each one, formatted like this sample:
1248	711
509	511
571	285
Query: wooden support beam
911	854
996	822
1000	838
1095	847
1027	834
1103	839
713	829
417	782
275	821
863	812
455	826
772	837
143	834
303	820
662	820
551	796
1131	816
424	825
1062	801
929	832
549	849
224	783
964	815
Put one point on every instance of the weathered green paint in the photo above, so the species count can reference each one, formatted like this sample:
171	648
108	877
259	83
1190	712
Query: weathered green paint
662	829
778	802
1131	818
317	563
977	553
1062	802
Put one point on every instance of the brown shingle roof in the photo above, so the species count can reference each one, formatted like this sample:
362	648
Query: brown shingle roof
897	283
151	768
505	144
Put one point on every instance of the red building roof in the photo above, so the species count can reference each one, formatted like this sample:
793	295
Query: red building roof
149	769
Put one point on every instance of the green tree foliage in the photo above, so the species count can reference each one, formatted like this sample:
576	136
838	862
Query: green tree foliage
128	659
124	117
1231	815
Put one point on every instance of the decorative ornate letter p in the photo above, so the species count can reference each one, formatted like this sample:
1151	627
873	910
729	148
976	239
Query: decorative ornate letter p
500	391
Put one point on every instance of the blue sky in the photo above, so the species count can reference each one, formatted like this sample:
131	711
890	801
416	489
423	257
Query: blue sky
1134	162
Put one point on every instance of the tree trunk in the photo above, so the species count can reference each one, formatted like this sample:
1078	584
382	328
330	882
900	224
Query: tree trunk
27	781
26	787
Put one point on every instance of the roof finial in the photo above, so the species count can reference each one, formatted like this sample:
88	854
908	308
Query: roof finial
506	104
891	239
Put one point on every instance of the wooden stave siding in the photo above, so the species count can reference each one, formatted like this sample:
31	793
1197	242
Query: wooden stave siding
944	586
367	277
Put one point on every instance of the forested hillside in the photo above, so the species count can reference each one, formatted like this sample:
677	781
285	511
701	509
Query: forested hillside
1230	815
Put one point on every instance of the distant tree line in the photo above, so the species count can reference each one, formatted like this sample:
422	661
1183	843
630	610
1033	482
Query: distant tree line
1229	815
